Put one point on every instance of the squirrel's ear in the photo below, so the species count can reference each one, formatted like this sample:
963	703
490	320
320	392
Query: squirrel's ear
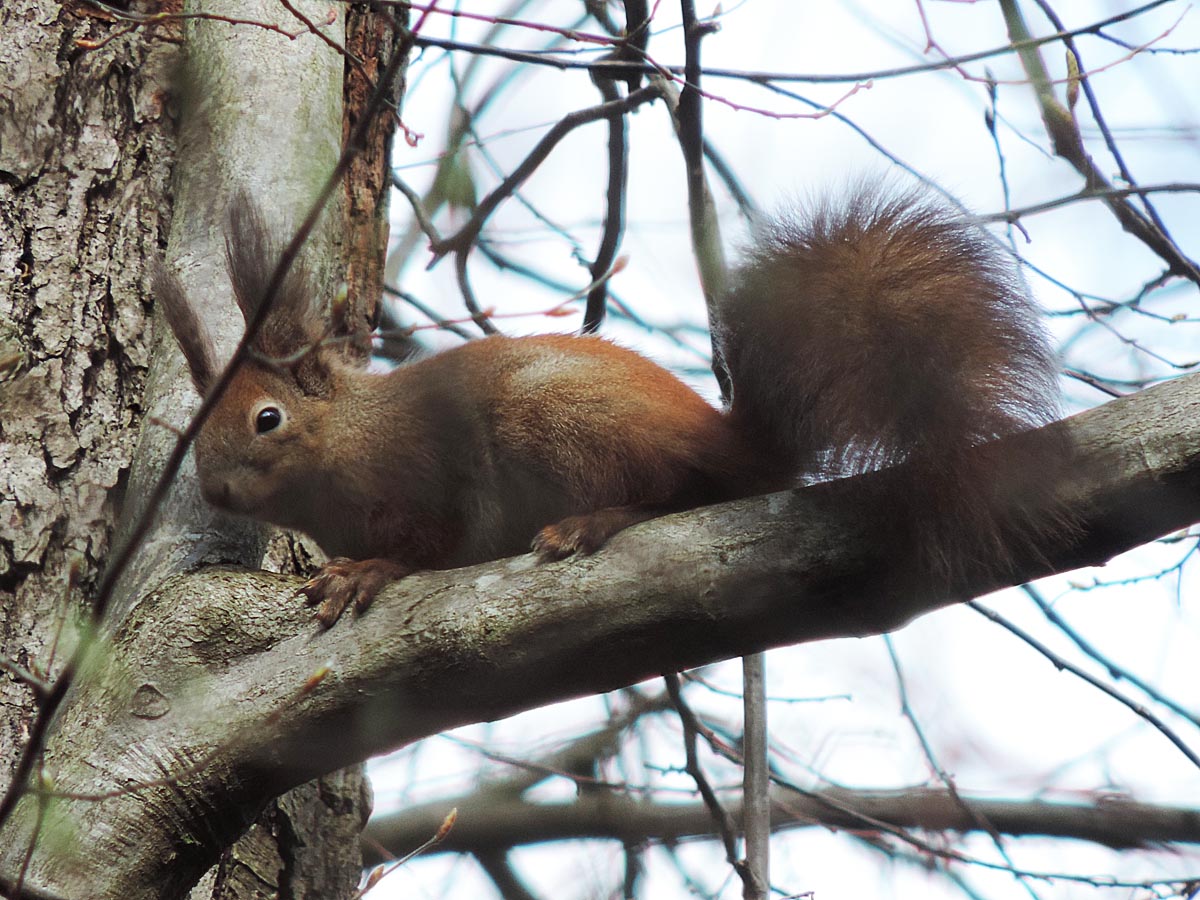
189	331
252	252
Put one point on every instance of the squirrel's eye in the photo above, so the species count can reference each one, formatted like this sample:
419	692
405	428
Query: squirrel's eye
268	419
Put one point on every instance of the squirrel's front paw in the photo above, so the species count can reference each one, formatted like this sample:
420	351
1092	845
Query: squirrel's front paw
343	581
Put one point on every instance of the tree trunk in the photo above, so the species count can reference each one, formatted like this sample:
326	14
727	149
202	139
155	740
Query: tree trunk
85	161
88	144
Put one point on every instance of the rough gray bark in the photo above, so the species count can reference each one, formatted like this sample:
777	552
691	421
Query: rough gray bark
222	679
87	147
85	157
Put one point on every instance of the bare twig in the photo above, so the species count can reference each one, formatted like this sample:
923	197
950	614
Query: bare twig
1064	134
943	776
465	236
726	829
1116	671
621	69
756	780
1060	663
1107	192
614	218
461	242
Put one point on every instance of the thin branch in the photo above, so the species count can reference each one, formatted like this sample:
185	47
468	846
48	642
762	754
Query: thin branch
172	16
467	235
1060	663
418	208
614	217
756	782
571	34
619	70
725	827
479	316
34	834
1116	671
462	241
1064	134
40	686
1097	114
568	761
508	883
503	822
943	776
428	312
315	28
1093	193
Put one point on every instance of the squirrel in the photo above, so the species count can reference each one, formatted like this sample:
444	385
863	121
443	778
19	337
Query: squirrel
884	329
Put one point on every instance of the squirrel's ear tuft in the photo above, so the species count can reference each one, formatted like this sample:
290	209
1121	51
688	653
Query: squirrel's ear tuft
252	252
189	331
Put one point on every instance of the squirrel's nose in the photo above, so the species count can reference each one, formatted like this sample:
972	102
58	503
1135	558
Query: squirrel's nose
217	492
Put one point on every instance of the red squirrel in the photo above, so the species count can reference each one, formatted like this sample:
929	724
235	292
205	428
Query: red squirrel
879	330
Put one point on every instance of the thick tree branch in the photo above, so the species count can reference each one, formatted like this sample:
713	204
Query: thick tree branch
240	695
487	823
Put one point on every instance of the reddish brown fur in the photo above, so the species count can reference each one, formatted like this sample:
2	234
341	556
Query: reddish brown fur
908	338
882	332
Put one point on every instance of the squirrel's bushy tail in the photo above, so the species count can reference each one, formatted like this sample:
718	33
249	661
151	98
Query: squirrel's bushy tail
890	329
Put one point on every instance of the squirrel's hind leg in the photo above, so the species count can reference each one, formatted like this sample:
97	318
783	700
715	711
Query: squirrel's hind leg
589	532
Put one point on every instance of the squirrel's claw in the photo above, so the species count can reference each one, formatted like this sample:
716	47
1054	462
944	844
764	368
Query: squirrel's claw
342	582
588	533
